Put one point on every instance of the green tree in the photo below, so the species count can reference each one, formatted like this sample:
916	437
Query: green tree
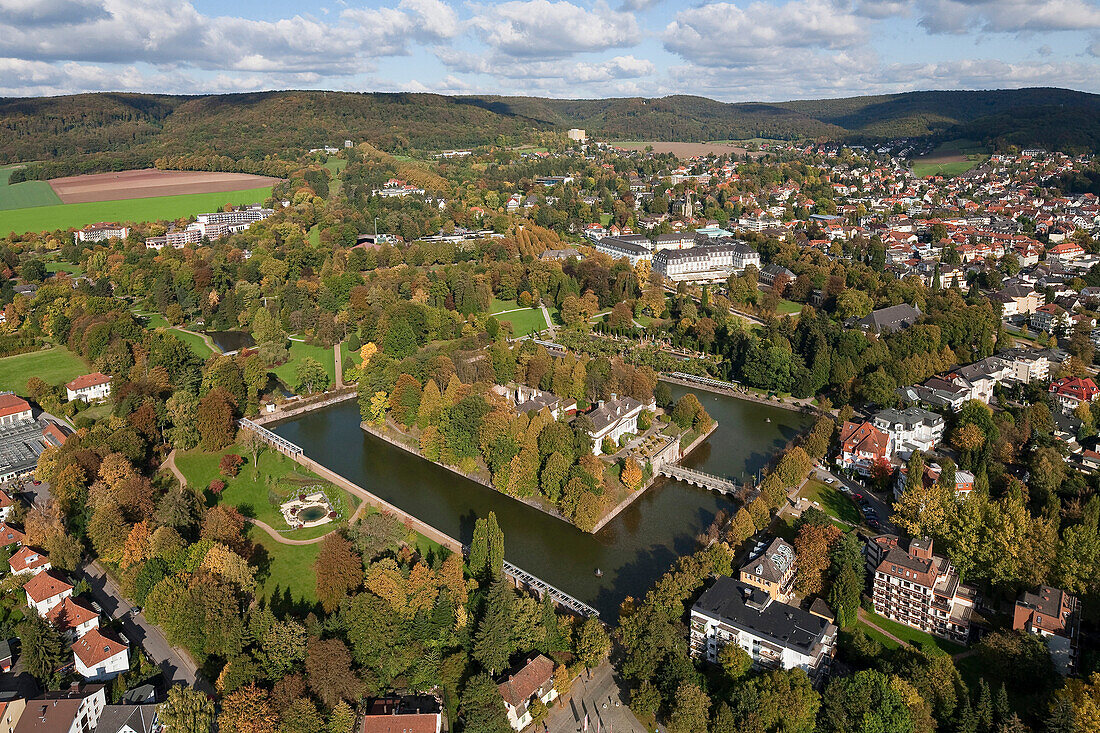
270	337
310	376
186	710
734	661
494	640
593	643
215	420
44	650
690	711
480	709
866	701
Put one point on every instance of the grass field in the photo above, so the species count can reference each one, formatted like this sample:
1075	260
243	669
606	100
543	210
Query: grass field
195	342
154	320
788	307
523	321
298	351
288	567
52	267
277	477
25	194
832	502
950	159
53	366
917	638
42	217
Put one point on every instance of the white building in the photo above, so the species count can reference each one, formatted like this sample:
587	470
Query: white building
911	429
519	690
75	710
99	657
73	619
13	409
46	590
28	561
92	387
775	635
101	231
708	263
576	134
614	419
618	247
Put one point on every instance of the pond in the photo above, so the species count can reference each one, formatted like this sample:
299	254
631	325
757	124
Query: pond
231	340
631	552
312	513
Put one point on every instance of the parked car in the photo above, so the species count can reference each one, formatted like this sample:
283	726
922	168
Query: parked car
830	480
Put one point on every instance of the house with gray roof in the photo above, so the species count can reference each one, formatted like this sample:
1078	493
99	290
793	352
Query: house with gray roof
891	318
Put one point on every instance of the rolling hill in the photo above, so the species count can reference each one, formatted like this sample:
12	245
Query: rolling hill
115	130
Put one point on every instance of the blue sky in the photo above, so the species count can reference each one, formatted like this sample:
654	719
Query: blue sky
739	50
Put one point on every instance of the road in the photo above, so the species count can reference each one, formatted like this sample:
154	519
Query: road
601	699
883	508
176	664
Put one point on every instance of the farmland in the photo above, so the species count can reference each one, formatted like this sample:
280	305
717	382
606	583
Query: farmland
950	159
23	195
74	216
151	183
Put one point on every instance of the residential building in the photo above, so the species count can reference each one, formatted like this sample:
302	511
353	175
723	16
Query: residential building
99	657
891	318
937	392
1055	615
5	666
1050	318
129	719
531	399
46	590
100	231
911	429
771	569
9	535
769	274
964	480
919	589
13	409
5	506
615	418
519	690
413	714
73	618
576	134
617	248
11	710
29	561
1070	392
862	446
774	634
75	710
92	387
1026	365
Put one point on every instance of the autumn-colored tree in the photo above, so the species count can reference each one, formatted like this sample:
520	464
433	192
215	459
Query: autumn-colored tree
70	487
377	409
186	710
631	474
224	524
230	465
404	401
741	527
367	351
248	710
338	568
136	548
214	419
329	673
223	561
812	546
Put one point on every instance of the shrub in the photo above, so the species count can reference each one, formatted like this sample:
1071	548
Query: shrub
230	465
217	486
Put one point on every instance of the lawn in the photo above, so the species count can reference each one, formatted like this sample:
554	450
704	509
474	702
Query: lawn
833	502
153	320
53	366
605	219
197	344
300	350
788	307
524	322
288	567
55	266
43	217
258	491
26	194
943	167
913	636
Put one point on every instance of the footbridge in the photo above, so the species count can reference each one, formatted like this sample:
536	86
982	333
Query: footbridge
699	478
276	441
540	587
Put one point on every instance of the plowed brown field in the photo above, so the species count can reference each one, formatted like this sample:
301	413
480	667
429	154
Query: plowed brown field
151	182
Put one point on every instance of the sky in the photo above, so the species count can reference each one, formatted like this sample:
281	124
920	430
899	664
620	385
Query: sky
738	50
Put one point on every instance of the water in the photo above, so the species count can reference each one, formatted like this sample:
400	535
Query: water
231	340
312	513
633	550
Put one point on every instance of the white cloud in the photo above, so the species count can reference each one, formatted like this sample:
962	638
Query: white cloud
546	28
1008	16
35	13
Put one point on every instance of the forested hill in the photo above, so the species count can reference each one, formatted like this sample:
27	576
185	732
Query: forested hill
135	128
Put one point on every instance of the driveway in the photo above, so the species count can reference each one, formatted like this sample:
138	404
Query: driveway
598	697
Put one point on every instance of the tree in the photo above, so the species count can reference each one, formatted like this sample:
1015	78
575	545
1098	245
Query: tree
866	701
734	661
480	708
844	596
487	549
377	408
689	715
247	710
812	546
342	718
494	642
310	376
186	710
270	337
230	464
338	568
215	421
44	651
593	642
301	716
251	442
329	673
631	474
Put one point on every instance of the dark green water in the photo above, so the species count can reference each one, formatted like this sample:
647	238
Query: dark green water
632	551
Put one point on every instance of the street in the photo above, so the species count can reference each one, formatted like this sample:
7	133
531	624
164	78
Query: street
882	508
177	666
599	698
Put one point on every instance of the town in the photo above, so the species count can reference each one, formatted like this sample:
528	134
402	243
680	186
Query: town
580	435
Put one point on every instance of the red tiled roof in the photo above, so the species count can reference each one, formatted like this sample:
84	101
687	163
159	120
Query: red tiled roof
5	500
863	437
45	585
88	380
411	723
69	614
28	558
11	404
1081	389
58	434
94	647
518	688
9	535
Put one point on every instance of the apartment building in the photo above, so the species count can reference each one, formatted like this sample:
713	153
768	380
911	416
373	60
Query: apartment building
918	588
101	231
1054	615
862	445
774	634
771	569
910	429
708	263
618	247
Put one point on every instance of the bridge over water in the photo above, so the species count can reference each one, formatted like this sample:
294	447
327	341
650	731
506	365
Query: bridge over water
699	478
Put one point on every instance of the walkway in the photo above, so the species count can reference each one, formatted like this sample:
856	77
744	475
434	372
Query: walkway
549	322
339	361
699	478
206	339
597	695
866	619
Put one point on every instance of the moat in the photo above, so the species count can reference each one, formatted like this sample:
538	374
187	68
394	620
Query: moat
632	551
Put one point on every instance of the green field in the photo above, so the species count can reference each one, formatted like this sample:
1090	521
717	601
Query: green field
23	195
288	567
41	217
832	502
525	321
277	477
939	162
154	320
919	639
52	267
788	307
53	366
298	350
197	344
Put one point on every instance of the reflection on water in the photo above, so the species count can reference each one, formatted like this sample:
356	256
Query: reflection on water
231	340
632	551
